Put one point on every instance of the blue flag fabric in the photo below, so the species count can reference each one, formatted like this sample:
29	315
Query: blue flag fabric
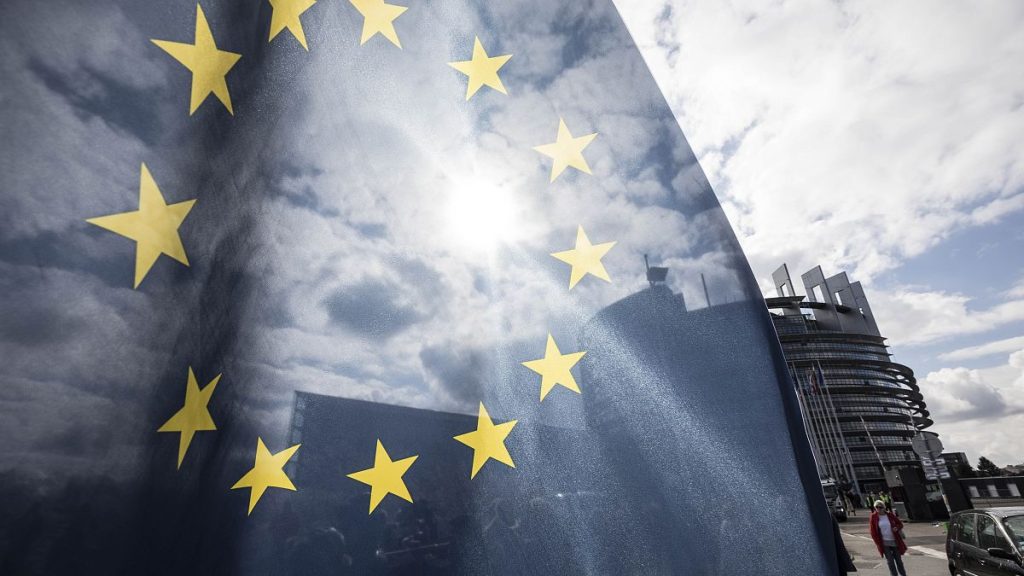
298	287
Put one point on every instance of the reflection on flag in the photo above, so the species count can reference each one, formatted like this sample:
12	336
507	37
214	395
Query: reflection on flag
355	265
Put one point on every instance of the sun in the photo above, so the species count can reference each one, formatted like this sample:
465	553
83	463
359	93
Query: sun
481	216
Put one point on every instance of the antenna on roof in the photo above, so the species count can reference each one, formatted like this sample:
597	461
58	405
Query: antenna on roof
707	296
655	274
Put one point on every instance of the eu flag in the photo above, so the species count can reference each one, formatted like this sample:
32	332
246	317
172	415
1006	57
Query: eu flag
375	287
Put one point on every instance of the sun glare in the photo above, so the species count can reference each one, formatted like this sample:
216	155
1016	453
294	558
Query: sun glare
481	217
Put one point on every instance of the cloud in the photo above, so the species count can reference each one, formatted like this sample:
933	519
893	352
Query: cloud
962	394
858	136
910	317
360	229
460	371
1017	291
411	163
374	309
986	349
851	135
998	439
78	113
979	411
72	362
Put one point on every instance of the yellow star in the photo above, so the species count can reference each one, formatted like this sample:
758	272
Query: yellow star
154	226
194	416
554	368
385	477
379	18
268	472
208	65
482	69
566	151
585	258
488	441
286	15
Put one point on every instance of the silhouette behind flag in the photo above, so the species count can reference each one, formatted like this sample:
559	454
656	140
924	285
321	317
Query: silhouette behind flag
362	287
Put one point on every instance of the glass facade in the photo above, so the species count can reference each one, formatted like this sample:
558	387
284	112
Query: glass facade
863	409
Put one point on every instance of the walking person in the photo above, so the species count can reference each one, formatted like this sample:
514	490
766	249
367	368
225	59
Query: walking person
887	532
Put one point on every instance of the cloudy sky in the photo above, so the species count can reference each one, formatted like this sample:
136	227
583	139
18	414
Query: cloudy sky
362	230
346	254
882	139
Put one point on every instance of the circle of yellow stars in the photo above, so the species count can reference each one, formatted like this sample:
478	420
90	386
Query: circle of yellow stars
154	228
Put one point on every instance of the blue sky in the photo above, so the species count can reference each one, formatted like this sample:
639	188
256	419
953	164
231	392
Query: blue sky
882	139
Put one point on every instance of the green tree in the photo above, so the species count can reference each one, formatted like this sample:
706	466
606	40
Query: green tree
965	470
987	468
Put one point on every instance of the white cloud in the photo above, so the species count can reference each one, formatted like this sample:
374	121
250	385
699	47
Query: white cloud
72	360
857	136
997	439
438	288
979	411
1017	291
864	134
986	349
914	317
352	207
58	148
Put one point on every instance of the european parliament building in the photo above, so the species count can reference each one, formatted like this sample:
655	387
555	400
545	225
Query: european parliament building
860	408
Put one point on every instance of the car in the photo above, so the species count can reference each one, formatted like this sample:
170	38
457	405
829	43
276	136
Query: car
835	502
838	508
986	542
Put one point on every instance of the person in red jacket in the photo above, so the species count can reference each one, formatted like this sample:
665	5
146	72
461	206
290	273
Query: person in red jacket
887	532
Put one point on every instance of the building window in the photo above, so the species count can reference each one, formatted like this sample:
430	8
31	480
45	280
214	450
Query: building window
818	295
974	491
992	491
1014	491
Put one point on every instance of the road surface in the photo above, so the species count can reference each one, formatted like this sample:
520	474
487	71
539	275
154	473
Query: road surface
926	542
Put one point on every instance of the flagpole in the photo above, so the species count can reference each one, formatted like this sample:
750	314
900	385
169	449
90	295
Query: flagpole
847	457
824	465
808	426
823	425
819	430
707	296
873	447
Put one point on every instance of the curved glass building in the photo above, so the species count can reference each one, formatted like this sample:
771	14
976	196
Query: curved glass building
860	408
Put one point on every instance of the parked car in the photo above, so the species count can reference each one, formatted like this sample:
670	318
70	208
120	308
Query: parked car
835	502
838	507
986	542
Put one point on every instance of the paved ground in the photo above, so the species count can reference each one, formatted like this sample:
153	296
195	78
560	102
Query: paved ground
926	556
